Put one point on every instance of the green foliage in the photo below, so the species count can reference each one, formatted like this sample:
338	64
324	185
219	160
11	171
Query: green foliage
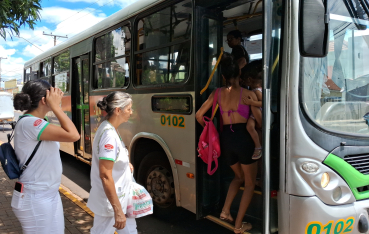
17	13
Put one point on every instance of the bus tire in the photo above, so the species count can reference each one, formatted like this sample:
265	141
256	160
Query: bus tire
155	174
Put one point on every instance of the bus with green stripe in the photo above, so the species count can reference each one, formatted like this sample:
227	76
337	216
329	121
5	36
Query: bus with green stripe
314	173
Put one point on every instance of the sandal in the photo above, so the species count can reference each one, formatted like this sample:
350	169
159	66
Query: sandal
244	228
257	153
226	217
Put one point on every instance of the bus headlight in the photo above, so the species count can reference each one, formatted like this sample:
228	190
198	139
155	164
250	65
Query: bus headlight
310	167
337	193
325	180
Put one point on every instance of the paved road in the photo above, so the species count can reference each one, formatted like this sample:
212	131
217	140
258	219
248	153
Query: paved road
178	221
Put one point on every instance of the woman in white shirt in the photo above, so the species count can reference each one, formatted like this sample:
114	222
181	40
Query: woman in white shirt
111	170
39	208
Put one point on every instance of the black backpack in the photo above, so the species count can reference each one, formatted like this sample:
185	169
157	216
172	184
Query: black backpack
9	160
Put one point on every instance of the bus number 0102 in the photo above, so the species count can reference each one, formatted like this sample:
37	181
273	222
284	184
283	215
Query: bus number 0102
173	120
340	227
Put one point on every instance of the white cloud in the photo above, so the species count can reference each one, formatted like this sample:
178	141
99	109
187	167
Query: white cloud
12	67
105	2
74	24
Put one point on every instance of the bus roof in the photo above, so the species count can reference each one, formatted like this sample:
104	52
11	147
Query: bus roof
110	21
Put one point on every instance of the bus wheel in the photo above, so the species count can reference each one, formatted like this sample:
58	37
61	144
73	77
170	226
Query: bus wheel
156	175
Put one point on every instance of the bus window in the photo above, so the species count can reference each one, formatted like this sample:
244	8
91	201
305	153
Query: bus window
112	62
28	74
61	71
170	30
45	68
336	87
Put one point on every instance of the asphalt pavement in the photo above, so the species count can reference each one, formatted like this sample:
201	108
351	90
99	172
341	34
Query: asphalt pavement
76	178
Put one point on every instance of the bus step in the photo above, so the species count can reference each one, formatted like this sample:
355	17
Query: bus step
228	225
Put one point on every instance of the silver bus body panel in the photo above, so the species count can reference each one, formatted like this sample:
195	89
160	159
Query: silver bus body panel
308	202
81	48
166	149
283	196
299	145
312	208
125	13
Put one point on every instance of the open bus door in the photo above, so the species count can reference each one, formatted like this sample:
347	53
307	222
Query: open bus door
207	45
80	106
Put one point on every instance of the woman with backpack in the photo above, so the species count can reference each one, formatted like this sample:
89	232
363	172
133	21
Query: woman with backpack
235	142
38	205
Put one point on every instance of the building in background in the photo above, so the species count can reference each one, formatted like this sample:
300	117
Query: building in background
11	86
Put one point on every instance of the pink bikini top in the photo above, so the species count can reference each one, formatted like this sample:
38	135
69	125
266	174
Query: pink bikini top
243	110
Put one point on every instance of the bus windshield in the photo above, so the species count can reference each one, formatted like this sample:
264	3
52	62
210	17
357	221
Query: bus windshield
335	88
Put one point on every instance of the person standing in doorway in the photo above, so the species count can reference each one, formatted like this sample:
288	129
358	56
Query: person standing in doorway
240	55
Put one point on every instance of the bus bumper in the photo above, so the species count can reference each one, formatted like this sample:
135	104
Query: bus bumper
310	215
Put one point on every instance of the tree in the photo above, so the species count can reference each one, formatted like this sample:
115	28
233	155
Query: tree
17	13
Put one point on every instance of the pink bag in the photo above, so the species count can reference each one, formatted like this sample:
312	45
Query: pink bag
209	141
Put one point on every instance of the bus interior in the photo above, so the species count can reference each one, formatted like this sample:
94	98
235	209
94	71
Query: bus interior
247	17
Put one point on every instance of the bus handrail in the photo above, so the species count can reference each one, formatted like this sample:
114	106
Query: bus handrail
212	73
211	77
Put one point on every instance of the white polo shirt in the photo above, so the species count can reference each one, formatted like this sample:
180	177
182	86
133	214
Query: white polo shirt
107	145
45	170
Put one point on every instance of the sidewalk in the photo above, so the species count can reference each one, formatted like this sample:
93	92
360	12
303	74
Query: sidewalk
76	219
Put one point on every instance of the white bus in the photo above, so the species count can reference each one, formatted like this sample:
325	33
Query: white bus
315	139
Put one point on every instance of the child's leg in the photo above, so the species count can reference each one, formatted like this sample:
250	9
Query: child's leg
254	134
258	116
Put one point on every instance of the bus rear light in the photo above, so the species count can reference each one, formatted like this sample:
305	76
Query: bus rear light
310	167
325	180
190	175
273	193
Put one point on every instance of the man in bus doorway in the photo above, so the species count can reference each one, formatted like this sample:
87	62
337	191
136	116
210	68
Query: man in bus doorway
240	55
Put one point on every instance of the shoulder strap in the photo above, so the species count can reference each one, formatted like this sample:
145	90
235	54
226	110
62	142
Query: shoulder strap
30	157
239	102
10	137
215	105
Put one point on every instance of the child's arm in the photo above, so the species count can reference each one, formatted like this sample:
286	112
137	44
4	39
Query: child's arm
252	102
259	95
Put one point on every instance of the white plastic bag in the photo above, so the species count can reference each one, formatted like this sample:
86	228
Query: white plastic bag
139	202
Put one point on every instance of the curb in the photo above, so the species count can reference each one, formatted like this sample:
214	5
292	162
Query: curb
76	200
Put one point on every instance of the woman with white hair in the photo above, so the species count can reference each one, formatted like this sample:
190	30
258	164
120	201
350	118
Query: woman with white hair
111	170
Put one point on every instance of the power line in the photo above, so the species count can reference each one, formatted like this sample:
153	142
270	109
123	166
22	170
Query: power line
76	14
30	42
87	14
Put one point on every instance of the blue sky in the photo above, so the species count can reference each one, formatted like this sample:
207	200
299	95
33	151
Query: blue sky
60	17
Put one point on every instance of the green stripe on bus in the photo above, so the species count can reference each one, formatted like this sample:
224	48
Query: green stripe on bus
83	107
110	159
39	134
353	177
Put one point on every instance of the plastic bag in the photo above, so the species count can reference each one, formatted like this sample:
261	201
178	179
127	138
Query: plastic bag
139	202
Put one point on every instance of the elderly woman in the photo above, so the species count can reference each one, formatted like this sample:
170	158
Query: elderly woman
111	170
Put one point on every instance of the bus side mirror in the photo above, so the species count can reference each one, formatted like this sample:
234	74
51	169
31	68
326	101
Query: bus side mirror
313	28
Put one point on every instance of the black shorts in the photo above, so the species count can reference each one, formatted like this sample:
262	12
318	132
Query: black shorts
237	145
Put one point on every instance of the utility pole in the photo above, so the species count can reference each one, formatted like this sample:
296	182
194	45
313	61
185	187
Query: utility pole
0	69
55	36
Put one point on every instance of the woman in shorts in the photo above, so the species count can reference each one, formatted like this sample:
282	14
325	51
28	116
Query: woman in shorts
235	141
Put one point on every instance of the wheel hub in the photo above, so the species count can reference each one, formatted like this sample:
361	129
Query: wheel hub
160	186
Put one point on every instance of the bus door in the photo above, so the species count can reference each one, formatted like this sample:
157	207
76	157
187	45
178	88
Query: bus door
81	110
207	45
